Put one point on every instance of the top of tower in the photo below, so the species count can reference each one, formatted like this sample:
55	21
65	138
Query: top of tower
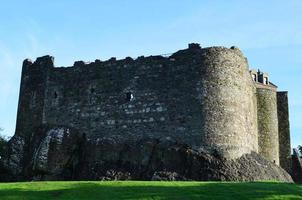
261	78
194	46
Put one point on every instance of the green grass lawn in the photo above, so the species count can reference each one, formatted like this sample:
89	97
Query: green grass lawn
148	190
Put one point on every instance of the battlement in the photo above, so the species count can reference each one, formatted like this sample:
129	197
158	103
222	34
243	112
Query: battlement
193	49
46	61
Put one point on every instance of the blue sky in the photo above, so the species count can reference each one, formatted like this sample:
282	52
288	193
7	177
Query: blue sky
268	31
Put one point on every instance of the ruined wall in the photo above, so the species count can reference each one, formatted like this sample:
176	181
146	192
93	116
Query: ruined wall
30	111
199	97
228	103
94	98
127	99
284	131
32	94
268	123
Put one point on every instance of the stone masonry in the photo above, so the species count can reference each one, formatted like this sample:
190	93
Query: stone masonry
127	118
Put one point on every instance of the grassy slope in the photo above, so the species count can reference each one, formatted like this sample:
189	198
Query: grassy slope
148	190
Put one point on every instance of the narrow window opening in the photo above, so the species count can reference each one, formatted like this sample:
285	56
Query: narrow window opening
92	90
266	81
55	95
255	77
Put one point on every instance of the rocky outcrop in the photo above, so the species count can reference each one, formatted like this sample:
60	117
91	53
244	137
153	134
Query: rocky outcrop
164	159
296	170
62	153
15	155
56	155
52	154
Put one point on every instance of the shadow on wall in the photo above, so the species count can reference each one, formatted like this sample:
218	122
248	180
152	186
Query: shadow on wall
151	190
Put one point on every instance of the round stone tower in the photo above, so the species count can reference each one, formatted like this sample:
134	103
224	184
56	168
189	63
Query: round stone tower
229	110
267	120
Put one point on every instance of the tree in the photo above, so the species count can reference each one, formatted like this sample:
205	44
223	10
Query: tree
300	149
3	144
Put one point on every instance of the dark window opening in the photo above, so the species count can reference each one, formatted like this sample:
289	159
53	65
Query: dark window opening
129	96
255	77
55	95
92	90
266	80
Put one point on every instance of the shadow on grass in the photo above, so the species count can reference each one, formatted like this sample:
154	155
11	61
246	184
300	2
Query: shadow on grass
145	190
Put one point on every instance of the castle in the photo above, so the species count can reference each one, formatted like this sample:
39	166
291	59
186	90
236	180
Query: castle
204	98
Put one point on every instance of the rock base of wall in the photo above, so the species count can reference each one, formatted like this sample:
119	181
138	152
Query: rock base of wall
61	154
296	164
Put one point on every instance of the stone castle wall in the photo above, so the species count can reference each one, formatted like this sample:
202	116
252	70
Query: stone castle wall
268	123
284	131
32	95
199	114
228	103
204	98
